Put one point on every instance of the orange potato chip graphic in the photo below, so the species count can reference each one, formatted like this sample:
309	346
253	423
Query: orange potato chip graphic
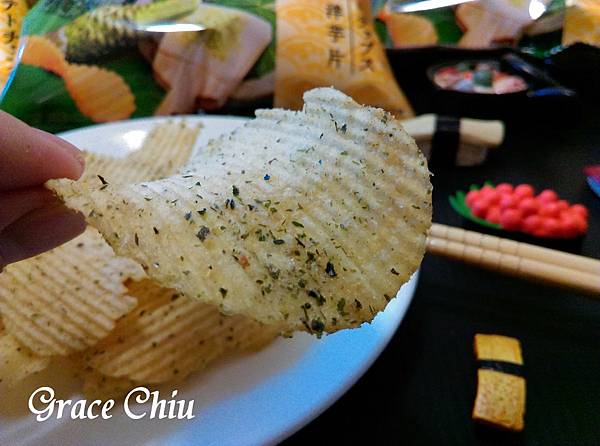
410	30
100	94
44	53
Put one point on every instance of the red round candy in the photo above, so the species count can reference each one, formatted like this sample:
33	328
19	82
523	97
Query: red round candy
480	207
541	232
529	206
569	226
549	209
490	193
531	224
580	209
511	219
505	188
563	205
507	201
495	197
547	196
524	190
582	224
471	197
551	226
493	215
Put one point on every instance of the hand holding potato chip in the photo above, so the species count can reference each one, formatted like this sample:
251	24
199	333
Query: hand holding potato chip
32	220
309	219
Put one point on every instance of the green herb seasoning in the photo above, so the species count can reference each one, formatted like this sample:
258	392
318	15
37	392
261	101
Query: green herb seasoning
203	233
341	305
317	296
330	270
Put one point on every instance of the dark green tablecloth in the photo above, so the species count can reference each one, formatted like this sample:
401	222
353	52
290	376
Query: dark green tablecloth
421	389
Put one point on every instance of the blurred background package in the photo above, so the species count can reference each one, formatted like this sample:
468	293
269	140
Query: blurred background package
71	63
85	62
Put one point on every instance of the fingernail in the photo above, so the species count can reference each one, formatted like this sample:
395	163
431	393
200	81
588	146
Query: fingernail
79	157
66	147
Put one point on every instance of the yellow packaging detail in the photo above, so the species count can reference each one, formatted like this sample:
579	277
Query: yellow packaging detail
333	43
11	16
582	22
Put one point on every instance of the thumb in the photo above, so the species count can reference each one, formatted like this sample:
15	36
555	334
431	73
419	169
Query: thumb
30	157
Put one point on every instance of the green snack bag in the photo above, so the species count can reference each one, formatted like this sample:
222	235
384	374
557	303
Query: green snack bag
92	62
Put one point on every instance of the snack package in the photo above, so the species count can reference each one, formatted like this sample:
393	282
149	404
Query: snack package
100	61
474	24
333	43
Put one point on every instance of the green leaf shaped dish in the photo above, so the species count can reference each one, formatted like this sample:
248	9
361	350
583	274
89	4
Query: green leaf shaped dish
459	204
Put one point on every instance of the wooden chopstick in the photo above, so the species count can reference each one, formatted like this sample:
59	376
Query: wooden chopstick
515	258
518	249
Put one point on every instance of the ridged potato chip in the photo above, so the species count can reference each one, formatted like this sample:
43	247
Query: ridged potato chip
97	386
312	219
168	336
43	53
67	299
99	94
166	148
16	361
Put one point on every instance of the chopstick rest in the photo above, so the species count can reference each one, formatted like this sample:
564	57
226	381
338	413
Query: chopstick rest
453	141
500	399
445	143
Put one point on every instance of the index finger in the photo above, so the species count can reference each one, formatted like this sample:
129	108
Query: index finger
30	157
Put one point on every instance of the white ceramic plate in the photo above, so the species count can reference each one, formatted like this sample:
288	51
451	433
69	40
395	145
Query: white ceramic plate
250	400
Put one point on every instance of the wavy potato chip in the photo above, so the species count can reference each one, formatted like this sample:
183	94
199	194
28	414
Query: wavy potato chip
97	386
311	219
166	148
99	94
16	361
168	336
42	52
67	299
